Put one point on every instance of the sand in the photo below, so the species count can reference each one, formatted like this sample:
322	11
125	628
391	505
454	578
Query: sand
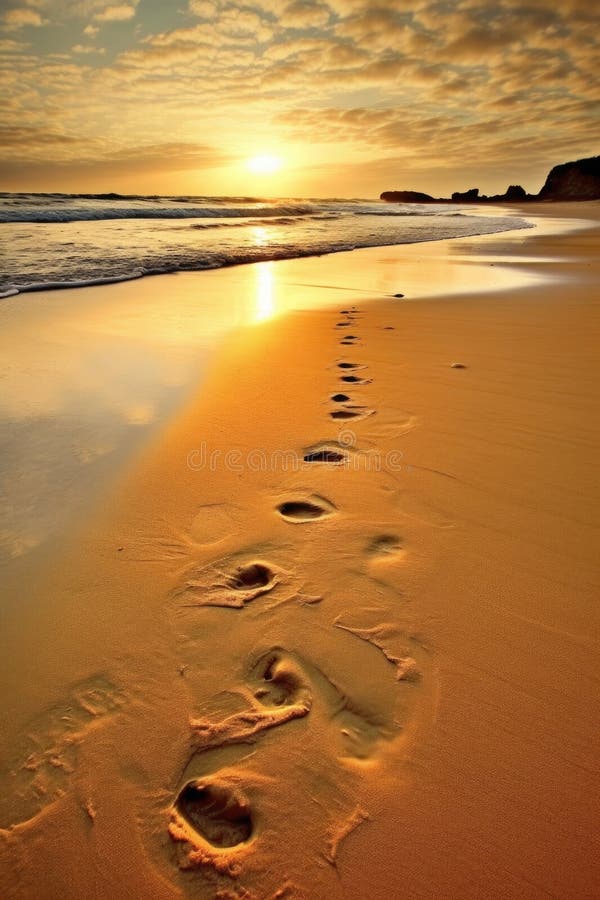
334	630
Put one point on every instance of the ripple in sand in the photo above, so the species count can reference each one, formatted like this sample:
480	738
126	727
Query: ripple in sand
45	757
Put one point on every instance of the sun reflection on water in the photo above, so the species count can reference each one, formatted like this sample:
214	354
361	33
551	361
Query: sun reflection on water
260	235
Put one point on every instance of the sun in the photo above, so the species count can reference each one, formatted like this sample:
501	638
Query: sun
265	164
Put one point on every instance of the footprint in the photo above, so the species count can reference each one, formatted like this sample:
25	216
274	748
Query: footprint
211	816
348	365
355	412
46	755
289	680
384	545
326	453
343	324
340	398
228	585
252	576
281	686
355	379
228	799
305	510
281	694
217	813
281	680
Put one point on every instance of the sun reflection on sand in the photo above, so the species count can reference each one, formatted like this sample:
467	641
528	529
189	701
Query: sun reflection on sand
265	300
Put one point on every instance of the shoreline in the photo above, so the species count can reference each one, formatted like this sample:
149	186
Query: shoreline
435	625
102	281
539	210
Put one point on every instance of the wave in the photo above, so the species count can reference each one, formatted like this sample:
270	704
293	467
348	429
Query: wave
62	208
204	226
83	213
59	197
251	254
13	289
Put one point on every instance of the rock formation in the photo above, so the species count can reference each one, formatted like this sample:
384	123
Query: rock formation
578	180
406	197
515	192
470	195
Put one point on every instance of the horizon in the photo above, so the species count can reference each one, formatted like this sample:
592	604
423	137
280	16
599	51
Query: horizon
299	99
124	195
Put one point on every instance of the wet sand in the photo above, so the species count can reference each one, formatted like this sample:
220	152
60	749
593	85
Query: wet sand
335	632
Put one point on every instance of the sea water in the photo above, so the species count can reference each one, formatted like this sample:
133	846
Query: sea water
72	240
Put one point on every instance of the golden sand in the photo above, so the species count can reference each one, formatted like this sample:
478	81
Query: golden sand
335	632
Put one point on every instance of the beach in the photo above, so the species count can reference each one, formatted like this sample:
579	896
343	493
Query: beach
331	629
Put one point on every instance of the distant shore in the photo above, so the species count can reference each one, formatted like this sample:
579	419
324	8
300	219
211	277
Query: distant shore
565	183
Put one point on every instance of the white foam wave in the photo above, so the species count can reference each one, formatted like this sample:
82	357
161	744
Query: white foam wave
221	256
146	210
13	289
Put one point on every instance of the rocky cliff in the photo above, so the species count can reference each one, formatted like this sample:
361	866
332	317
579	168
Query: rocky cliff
578	180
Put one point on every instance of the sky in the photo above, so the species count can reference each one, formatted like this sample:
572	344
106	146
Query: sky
354	98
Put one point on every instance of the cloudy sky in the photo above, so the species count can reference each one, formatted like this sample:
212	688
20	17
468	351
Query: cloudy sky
174	96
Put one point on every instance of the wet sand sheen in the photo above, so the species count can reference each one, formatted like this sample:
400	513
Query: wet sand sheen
301	666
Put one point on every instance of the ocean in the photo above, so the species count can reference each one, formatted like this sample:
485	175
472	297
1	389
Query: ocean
72	240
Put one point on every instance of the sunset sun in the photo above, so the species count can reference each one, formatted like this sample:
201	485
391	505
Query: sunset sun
265	164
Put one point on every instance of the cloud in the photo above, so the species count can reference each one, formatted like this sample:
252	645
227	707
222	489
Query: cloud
62	11
9	46
165	55
120	13
84	48
90	31
21	17
195	34
243	25
340	56
20	137
85	159
204	9
305	14
172	155
478	43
